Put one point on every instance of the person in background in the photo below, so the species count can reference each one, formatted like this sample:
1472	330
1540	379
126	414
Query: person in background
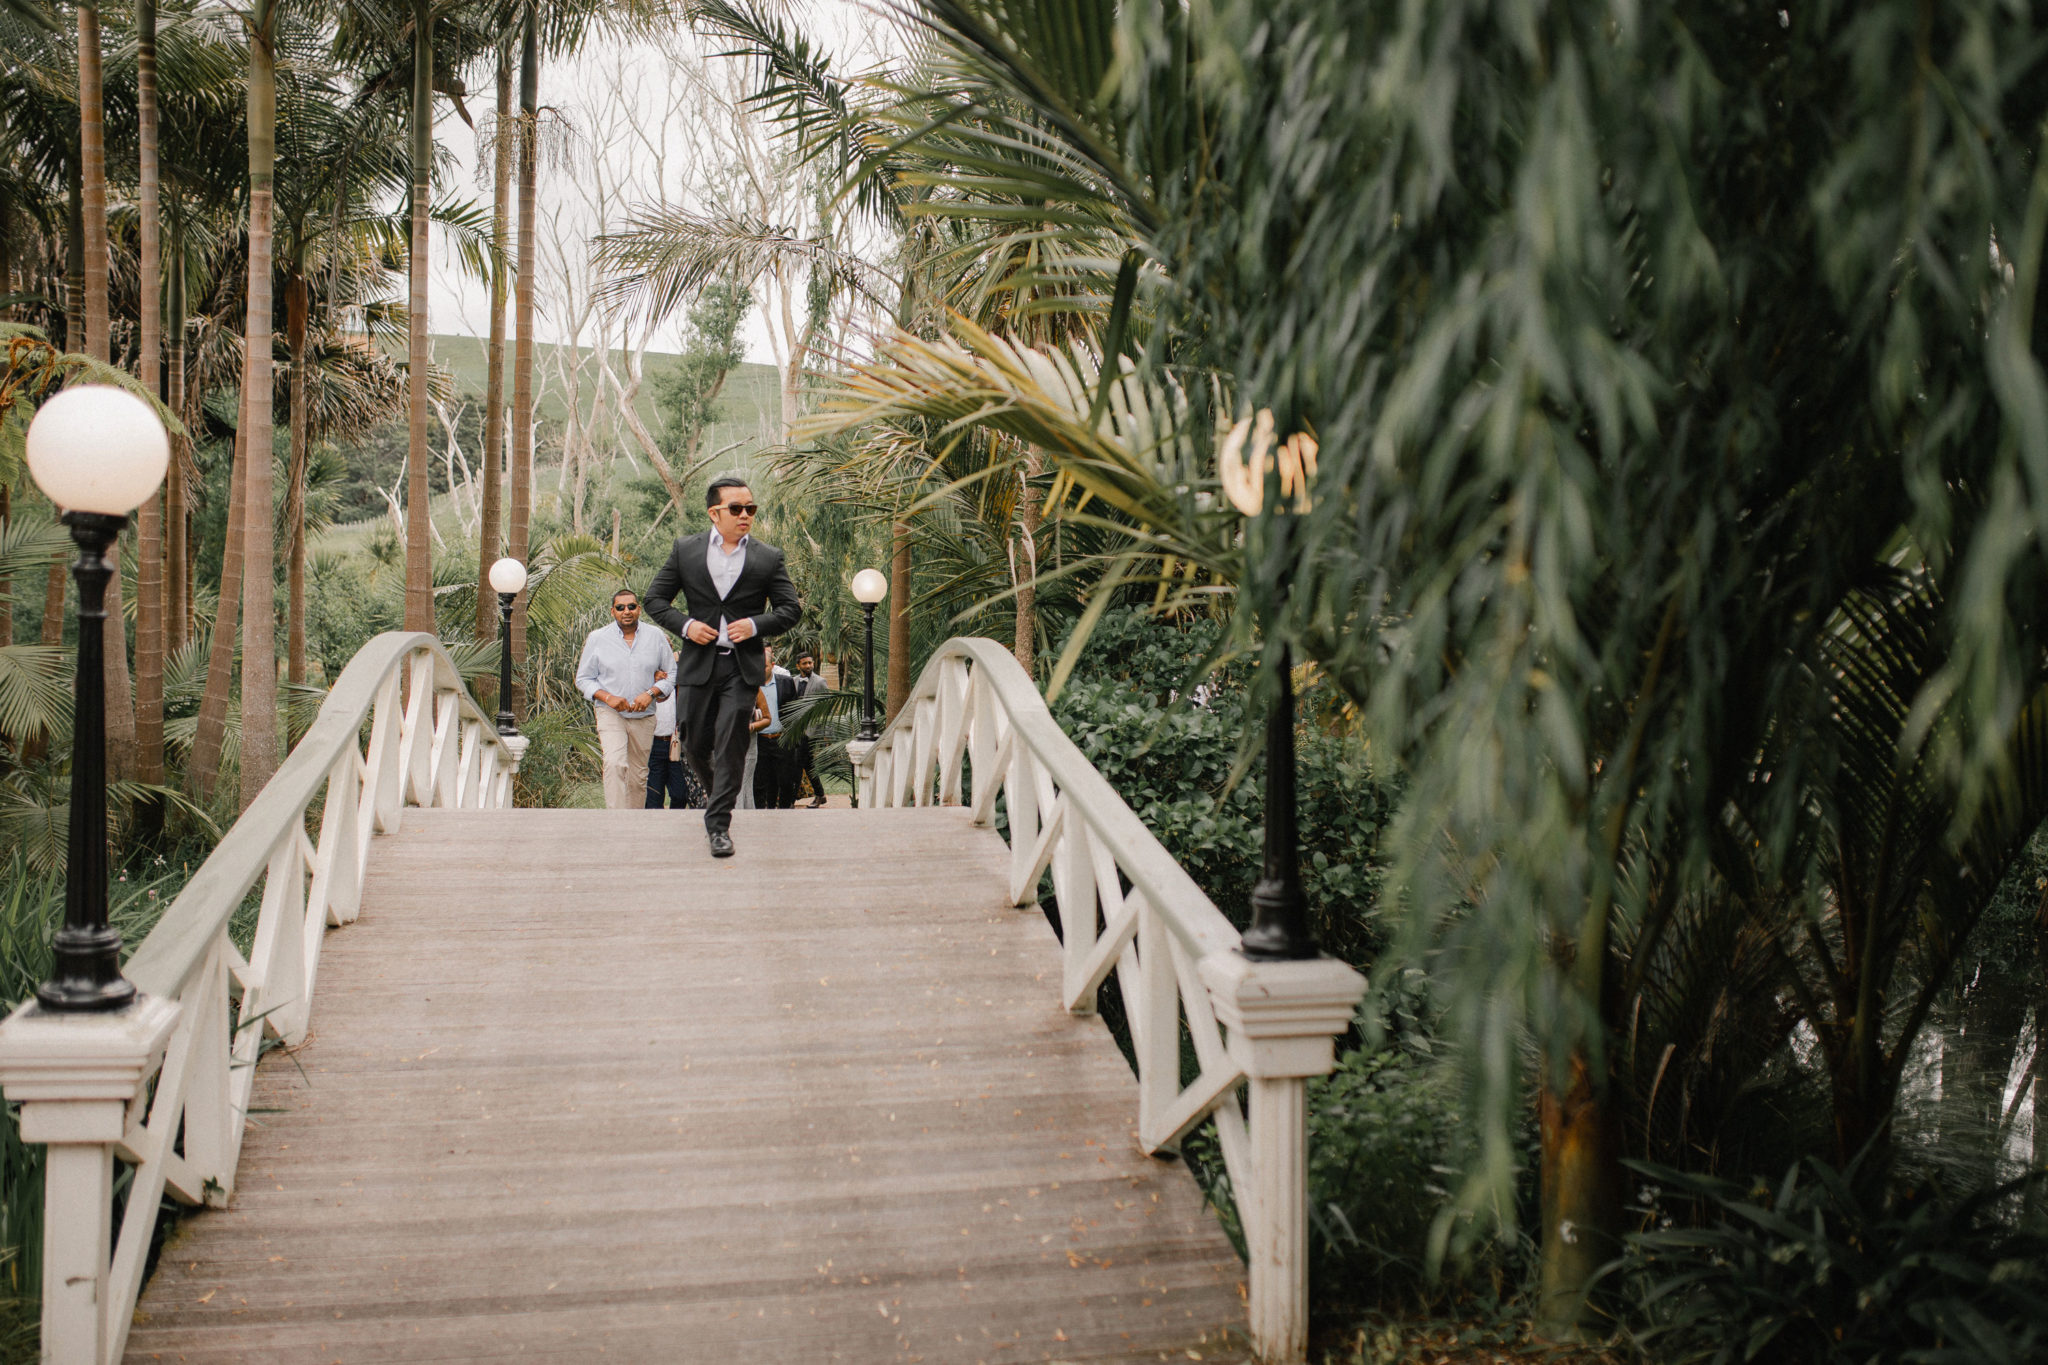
755	725
775	773
623	670
670	783
808	684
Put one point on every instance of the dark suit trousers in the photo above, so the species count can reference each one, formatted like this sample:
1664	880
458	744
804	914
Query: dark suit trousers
714	716
775	775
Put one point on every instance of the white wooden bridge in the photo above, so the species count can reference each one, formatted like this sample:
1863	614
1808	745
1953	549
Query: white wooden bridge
570	1088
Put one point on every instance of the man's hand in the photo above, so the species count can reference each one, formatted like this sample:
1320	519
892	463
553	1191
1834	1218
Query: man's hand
742	629
700	633
641	702
604	698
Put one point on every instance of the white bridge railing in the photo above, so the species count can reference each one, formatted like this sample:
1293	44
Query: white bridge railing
976	724
83	1080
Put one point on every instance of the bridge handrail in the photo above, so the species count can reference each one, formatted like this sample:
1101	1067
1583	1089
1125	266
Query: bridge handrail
206	1010
974	730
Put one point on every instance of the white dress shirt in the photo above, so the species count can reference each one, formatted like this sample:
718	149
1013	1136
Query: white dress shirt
725	569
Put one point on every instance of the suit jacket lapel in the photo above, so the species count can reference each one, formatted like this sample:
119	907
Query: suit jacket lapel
697	574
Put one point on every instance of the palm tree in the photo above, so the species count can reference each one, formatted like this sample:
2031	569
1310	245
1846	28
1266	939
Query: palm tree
149	526
259	754
96	257
489	531
1601	462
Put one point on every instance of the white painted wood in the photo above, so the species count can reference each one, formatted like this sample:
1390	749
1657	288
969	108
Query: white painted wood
924	747
1276	1244
77	1077
213	1118
952	734
447	748
382	781
1170	950
1024	884
469	768
428	742
1159	1048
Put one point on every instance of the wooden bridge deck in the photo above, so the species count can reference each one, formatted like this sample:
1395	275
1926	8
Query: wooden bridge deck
574	1089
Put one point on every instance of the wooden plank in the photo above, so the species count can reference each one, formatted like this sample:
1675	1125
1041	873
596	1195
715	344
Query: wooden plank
574	1088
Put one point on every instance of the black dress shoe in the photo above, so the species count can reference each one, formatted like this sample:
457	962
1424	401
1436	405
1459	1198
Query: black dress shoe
721	844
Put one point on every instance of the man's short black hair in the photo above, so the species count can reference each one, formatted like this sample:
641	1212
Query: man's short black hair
723	481
624	592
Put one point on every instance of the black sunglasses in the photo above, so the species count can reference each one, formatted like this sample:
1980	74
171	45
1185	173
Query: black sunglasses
630	606
740	509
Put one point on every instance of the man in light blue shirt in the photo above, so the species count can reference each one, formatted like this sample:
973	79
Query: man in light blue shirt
625	667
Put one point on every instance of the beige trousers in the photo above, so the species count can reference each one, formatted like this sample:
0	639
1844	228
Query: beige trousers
626	741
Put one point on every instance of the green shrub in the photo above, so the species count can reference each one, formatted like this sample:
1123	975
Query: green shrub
1172	760
1821	1270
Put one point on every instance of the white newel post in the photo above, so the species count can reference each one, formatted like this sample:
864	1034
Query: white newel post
857	751
515	751
75	1077
1283	1019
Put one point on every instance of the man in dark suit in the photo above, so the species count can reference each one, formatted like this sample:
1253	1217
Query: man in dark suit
735	592
807	683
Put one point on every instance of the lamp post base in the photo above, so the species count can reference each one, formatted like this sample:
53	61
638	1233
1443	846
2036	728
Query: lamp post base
1279	911
86	978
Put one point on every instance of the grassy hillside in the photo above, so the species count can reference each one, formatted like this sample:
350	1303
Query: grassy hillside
748	417
750	397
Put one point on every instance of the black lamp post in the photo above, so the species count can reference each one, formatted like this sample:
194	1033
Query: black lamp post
1279	928
508	576
870	586
99	452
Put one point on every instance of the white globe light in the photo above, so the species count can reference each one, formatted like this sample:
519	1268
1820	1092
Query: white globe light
508	575
96	448
870	586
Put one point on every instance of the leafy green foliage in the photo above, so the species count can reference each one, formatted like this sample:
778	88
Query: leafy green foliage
1169	734
712	350
1387	1133
1819	1270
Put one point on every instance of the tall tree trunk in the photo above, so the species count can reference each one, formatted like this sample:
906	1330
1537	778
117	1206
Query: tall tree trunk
1581	1193
202	768
489	533
899	622
6	584
259	586
119	701
74	258
521	492
92	170
1029	518
51	634
177	575
7	253
419	550
298	305
149	526
2037	1194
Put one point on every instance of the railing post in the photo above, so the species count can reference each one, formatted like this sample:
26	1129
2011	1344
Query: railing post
75	1076
515	750
1284	1018
857	751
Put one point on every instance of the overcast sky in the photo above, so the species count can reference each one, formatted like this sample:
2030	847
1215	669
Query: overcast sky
608	78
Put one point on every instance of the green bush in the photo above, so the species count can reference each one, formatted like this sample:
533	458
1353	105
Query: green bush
1173	759
1387	1124
1822	1270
